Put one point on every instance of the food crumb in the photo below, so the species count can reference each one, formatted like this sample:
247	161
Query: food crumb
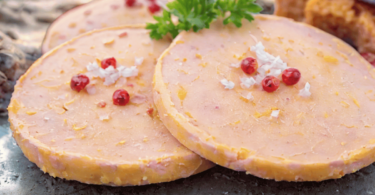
70	50
72	25
121	143
108	42
331	59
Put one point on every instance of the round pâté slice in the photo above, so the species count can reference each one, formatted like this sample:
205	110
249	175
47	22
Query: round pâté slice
96	15
83	135
318	129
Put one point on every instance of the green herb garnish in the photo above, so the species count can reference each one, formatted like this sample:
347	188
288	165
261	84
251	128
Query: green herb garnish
198	14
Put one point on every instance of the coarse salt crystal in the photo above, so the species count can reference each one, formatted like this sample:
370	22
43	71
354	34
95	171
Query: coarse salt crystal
259	78
110	74
102	73
129	72
91	89
305	92
236	65
138	61
274	72
275	113
46	118
111	79
247	82
249	96
121	68
268	62
92	66
94	69
263	69
227	84
110	70
278	63
104	117
106	73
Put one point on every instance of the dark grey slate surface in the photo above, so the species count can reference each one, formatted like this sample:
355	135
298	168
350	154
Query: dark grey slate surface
19	176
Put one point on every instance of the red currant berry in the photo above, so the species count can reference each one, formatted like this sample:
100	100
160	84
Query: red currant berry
130	3
79	82
291	76
109	62
153	8
370	57
120	97
249	65
270	84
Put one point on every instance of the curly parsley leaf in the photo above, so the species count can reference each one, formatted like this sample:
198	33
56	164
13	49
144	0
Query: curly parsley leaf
238	10
199	14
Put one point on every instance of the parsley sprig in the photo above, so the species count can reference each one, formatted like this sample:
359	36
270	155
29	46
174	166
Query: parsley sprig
199	14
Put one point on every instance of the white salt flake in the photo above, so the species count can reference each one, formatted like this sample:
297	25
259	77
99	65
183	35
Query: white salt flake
247	82
305	92
102	73
227	84
121	68
46	118
110	70
94	69
105	73
104	117
267	62
138	61
129	72
274	72
249	96
91	89
110	74
259	78
275	113
262	70
92	66
111	79
278	63
236	65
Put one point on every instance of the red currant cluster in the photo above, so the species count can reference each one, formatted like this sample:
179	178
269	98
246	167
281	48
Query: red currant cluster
290	76
79	82
153	7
